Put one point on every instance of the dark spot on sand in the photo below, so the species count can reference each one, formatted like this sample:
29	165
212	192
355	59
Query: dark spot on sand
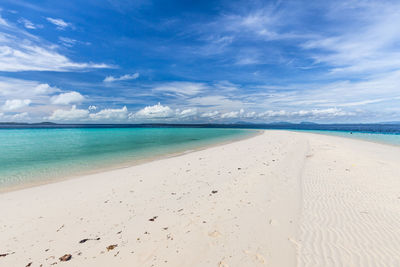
87	239
66	257
111	247
5	254
153	219
29	264
214	191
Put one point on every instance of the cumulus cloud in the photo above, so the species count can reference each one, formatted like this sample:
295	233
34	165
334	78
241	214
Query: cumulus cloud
73	114
232	114
211	114
313	113
61	24
154	112
24	116
125	77
67	98
16	104
190	112
110	114
92	108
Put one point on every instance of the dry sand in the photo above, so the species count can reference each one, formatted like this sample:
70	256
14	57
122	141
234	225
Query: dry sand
277	199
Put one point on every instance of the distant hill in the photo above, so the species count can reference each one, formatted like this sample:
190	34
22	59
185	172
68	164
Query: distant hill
308	123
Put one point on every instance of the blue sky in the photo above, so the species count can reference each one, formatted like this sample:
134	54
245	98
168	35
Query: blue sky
199	61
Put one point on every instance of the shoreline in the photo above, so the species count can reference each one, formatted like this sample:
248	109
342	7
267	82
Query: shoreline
316	199
127	164
321	132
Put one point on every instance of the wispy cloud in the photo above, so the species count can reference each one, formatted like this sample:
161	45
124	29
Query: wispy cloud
368	44
181	88
22	51
125	77
29	24
69	42
61	24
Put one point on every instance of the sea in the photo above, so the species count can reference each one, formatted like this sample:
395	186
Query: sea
37	153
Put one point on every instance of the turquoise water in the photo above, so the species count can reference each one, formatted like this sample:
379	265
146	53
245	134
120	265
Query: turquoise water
29	155
390	139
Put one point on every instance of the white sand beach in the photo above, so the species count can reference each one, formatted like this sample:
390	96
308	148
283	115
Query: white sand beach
277	199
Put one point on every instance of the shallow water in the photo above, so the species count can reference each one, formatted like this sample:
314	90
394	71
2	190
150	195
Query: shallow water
29	155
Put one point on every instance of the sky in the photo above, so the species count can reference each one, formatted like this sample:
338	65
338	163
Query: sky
122	61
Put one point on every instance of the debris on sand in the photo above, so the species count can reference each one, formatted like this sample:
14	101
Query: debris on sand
66	257
214	191
29	264
111	247
87	239
152	219
5	254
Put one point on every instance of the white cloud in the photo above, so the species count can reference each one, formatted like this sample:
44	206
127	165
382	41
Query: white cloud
110	114
44	89
122	78
313	113
230	115
24	116
67	98
211	114
16	104
186	113
73	114
92	108
154	112
61	24
30	57
329	112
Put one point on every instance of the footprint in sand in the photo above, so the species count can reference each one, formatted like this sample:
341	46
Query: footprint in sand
214	233
258	257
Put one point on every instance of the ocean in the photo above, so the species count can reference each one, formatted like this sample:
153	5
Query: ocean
36	155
